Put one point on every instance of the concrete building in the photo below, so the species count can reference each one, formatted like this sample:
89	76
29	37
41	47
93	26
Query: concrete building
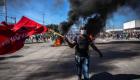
114	31
132	26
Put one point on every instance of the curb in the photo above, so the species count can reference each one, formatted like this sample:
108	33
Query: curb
115	42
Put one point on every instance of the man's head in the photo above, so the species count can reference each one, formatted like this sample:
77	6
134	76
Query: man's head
83	31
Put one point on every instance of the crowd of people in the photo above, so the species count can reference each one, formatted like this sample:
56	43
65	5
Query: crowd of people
37	38
120	36
41	38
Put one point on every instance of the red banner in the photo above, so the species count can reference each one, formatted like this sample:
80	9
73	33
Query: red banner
35	28
10	26
12	39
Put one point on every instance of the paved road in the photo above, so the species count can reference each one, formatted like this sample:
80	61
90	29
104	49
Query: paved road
42	62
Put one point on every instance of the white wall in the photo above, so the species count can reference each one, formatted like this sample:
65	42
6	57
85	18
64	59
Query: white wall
131	24
137	24
128	25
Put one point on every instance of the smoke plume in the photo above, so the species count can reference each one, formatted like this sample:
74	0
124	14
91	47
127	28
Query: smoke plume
103	9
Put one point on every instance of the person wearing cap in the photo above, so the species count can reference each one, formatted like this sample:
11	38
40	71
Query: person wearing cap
81	44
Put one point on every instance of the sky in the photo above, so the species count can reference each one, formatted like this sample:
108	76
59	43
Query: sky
121	16
56	11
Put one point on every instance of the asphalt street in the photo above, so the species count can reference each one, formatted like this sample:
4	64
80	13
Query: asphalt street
39	61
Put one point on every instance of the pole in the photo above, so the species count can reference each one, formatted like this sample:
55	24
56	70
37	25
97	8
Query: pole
14	18
43	19
5	10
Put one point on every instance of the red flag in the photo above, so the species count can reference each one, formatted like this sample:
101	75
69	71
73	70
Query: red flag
10	41
28	23
10	26
45	29
13	39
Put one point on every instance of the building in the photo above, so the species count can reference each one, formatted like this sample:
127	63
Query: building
114	31
132	26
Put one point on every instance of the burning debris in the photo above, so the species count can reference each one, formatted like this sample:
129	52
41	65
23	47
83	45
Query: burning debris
95	13
58	42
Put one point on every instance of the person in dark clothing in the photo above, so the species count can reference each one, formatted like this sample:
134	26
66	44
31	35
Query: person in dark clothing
81	44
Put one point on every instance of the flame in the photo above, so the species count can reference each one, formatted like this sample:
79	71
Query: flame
57	42
91	37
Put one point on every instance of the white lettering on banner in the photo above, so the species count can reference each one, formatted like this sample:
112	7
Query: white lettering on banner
5	42
13	39
17	37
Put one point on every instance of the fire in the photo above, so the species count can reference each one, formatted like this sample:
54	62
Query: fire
58	42
91	37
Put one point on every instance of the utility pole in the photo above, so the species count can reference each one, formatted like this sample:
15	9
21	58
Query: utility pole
43	18
5	10
113	27
14	18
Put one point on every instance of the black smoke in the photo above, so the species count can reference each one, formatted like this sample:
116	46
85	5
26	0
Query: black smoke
103	9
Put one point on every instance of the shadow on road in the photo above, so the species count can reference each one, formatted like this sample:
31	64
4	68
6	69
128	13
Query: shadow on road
15	56
108	76
101	64
63	67
54	70
66	68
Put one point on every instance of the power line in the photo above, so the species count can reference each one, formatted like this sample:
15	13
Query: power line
13	18
19	12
